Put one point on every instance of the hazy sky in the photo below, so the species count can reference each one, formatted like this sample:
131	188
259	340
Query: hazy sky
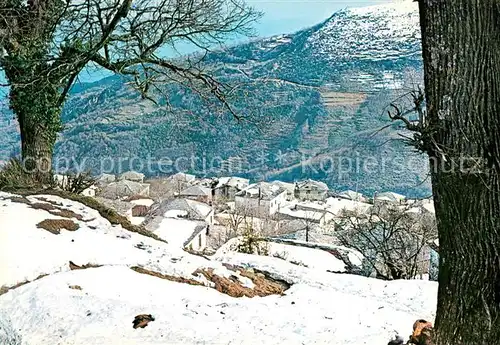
287	16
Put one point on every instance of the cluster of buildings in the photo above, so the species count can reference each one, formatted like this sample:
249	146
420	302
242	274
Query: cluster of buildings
191	212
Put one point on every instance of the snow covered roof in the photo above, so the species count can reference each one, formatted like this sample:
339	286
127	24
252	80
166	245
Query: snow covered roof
311	205
289	187
429	206
194	209
132	176
307	184
261	190
124	188
231	181
179	232
314	216
351	195
107	178
336	205
196	190
390	196
182	177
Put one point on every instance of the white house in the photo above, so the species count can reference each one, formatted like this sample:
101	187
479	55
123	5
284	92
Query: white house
289	187
260	199
351	195
182	222
311	190
337	205
228	187
183	233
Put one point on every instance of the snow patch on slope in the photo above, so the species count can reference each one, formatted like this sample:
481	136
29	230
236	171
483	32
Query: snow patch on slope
379	32
320	307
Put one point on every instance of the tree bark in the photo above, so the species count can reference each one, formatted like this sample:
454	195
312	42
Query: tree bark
461	51
36	149
39	122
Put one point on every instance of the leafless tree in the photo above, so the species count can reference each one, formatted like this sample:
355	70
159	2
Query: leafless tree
392	239
45	44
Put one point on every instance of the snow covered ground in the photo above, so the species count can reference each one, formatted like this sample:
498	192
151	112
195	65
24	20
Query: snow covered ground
298	255
319	307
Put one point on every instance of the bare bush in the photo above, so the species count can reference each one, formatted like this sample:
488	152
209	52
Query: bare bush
13	175
393	240
77	183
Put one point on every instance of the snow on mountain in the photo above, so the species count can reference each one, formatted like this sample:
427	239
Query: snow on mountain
325	92
380	32
96	306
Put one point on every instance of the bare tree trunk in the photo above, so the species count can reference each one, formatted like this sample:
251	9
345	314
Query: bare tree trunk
461	51
36	149
39	122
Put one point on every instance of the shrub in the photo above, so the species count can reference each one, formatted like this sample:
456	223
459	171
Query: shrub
14	176
251	243
75	183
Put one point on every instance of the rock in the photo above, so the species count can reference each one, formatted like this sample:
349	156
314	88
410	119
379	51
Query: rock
141	321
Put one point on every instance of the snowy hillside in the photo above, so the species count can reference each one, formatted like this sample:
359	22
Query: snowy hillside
77	287
380	32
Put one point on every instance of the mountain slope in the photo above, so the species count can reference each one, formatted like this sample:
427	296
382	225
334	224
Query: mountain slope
316	112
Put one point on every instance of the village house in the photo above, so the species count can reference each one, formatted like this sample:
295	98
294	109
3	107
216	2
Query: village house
133	176
305	214
182	177
141	207
260	199
183	233
183	222
198	193
177	183
322	213
337	206
105	179
124	188
351	195
288	187
310	190
227	187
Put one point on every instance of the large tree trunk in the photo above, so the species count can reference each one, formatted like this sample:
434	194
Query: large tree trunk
36	148
461	50
39	122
